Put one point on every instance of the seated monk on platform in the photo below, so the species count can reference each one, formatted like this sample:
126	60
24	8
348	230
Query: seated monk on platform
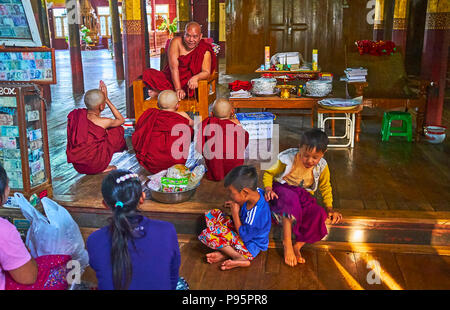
223	141
190	59
91	139
155	135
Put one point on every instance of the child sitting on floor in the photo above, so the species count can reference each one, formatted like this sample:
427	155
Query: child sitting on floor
297	172
222	141
92	139
246	233
154	135
133	252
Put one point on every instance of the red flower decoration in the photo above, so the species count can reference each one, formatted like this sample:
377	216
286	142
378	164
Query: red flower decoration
376	48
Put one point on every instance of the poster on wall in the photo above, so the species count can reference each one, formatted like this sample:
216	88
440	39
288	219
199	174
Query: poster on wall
27	65
17	24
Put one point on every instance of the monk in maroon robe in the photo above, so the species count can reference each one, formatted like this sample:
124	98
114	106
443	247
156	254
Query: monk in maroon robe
91	139
190	59
157	142
222	141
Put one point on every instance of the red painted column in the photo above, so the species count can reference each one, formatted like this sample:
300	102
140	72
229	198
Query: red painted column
154	23
213	20
200	15
435	57
378	25
400	26
136	56
116	39
73	20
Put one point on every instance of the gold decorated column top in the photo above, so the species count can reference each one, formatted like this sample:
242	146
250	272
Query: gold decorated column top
400	9
438	15
438	6
379	10
132	9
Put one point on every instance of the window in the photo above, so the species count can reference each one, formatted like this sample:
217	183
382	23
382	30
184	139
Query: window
60	23
104	19
162	10
149	17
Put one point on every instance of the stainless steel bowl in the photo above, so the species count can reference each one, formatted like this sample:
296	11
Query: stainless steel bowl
172	198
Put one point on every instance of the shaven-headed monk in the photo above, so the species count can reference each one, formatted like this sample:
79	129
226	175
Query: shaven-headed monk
223	141
190	59
158	145
168	101
91	139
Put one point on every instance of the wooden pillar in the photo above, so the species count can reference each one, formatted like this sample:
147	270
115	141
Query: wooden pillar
435	57
200	14
116	38
213	20
74	20
154	24
41	16
183	13
378	25
400	26
136	56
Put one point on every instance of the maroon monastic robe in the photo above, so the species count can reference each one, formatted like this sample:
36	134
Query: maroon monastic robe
230	145
189	65
153	140
90	147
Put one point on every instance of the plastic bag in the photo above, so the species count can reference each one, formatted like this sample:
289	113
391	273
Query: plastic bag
194	158
178	172
196	176
56	234
154	181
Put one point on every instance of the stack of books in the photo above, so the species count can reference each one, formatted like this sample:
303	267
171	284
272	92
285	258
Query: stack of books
355	74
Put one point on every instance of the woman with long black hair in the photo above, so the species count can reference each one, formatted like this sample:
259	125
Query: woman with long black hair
133	252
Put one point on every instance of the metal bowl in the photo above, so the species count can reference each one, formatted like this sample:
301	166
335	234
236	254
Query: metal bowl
316	88
172	198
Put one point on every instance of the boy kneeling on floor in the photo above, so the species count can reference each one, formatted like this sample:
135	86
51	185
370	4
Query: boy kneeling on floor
238	239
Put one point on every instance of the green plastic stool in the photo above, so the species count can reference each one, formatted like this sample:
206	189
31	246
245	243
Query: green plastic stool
404	131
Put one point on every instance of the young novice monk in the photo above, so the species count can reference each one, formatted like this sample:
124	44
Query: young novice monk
91	139
153	138
246	233
223	141
297	172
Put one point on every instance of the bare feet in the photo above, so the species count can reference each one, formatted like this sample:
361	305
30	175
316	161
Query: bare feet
110	168
215	257
230	264
297	253
153	93
289	256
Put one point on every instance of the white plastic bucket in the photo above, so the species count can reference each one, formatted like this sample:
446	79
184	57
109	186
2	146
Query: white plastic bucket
435	133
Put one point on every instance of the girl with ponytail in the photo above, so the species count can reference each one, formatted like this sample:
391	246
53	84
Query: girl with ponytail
133	252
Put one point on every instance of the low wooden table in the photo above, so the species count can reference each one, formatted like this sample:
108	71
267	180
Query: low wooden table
276	102
295	102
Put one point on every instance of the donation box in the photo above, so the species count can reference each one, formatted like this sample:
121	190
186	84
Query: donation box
23	139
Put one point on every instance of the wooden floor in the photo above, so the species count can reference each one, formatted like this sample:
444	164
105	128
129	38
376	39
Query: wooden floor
378	180
328	267
324	269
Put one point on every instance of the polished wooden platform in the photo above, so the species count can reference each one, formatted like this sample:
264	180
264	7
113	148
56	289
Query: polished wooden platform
394	179
394	197
329	266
